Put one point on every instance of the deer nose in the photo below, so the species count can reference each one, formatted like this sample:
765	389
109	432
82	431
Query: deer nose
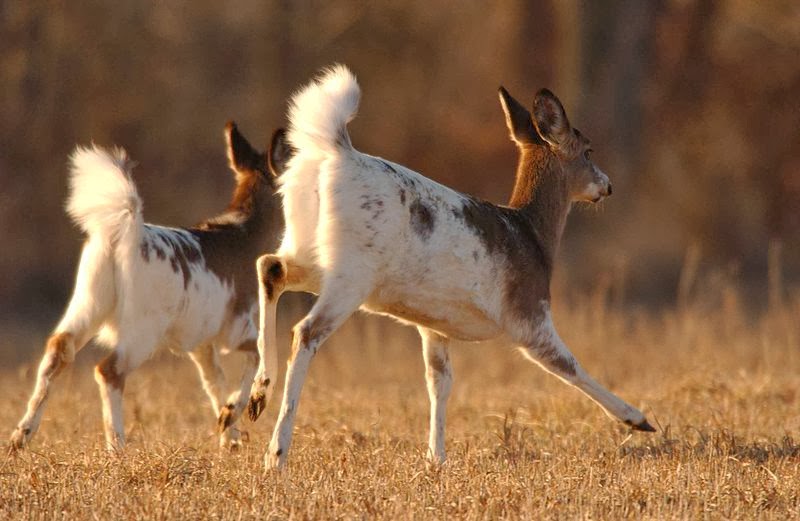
609	188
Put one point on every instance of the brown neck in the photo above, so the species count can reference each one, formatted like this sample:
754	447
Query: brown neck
253	209
541	195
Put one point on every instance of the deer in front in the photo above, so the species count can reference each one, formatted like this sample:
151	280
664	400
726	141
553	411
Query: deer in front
141	287
363	232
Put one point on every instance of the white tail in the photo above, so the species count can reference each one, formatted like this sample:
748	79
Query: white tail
319	113
103	200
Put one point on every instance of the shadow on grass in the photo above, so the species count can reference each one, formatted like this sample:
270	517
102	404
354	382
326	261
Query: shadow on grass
717	444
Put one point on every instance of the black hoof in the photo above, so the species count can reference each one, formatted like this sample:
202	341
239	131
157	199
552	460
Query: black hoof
642	426
256	406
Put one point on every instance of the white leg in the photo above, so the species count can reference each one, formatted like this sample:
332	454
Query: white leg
272	275
549	351
275	275
110	375
91	301
439	377
338	300
59	352
206	359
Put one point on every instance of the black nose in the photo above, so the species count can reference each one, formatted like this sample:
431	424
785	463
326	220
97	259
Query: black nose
609	188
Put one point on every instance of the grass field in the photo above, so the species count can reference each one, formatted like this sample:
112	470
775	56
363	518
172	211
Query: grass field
722	387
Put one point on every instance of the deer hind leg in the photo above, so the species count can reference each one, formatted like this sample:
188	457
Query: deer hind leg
439	378
110	375
272	272
338	300
549	351
237	401
59	351
91	303
276	274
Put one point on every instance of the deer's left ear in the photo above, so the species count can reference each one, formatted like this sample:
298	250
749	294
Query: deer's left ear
280	152
242	157
518	119
550	118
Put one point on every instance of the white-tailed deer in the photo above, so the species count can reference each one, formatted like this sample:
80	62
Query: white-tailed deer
367	233
144	287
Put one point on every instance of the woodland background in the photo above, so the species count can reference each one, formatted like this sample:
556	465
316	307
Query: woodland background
692	107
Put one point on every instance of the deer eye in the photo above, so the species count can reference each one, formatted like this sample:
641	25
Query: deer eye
587	153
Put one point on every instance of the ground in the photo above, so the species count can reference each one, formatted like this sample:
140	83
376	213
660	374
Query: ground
721	386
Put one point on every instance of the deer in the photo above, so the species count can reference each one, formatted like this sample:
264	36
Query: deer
365	233
142	287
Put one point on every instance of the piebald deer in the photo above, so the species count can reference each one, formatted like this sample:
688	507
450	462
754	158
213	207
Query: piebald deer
363	232
143	287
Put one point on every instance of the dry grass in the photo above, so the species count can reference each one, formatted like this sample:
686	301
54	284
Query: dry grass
722	387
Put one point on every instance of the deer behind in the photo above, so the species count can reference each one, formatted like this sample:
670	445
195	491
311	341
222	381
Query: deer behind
141	287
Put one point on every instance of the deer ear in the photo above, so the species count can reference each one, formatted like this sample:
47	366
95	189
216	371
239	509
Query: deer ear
280	152
518	119
242	157
551	121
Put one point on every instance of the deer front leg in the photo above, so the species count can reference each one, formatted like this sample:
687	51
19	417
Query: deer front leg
238	400
339	299
206	359
549	351
439	378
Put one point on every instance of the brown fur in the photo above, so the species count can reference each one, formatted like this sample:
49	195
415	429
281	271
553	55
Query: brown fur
249	346
230	245
62	345
61	348
527	232
107	369
274	278
439	365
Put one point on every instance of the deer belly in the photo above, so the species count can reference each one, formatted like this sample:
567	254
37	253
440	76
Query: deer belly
458	320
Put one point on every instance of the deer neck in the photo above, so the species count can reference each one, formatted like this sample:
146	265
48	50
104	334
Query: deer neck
257	203
541	196
253	209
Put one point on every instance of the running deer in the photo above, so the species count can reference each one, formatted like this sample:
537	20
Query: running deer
363	232
143	287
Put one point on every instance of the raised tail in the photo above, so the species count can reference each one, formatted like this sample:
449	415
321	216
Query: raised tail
319	113
103	200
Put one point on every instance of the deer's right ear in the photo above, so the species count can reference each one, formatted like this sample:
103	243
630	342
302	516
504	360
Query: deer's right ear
280	152
551	119
518	119
242	157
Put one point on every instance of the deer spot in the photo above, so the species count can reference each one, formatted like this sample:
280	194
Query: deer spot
423	219
160	253
439	364
144	250
275	274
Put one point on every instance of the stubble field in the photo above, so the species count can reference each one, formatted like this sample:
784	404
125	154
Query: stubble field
721	386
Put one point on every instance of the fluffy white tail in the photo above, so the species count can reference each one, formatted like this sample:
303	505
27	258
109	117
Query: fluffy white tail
103	200
319	113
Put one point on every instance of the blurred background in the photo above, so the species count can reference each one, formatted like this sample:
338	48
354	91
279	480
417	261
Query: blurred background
692	106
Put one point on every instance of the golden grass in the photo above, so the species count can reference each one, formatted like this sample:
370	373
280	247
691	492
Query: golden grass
722	387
